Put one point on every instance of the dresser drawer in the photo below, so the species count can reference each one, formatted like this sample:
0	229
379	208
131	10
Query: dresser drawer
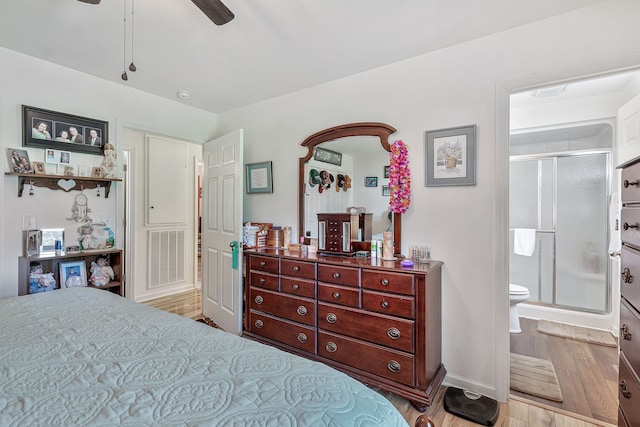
386	303
371	358
630	225
630	191
630	275
289	333
628	392
305	270
339	275
264	263
301	287
263	280
629	338
298	309
377	328
336	294
388	282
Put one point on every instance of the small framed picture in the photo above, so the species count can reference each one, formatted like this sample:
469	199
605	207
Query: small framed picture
19	160
97	172
31	242
371	181
259	178
48	238
385	190
38	168
451	156
386	171
73	274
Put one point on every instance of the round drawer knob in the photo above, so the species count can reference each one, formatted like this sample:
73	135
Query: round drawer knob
259	324
331	347
393	333
384	304
336	275
302	338
623	388
393	366
296	268
331	318
627	226
295	287
262	263
259	300
385	282
302	310
262	280
336	295
626	275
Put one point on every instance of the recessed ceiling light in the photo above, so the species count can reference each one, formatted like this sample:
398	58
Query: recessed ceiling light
548	91
183	94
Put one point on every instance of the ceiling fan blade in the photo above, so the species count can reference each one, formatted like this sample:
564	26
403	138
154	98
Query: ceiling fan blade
91	1
215	10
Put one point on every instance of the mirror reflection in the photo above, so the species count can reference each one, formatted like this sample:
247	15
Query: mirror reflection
345	171
347	175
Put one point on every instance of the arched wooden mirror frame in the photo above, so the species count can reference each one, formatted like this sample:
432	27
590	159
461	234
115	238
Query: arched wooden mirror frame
381	130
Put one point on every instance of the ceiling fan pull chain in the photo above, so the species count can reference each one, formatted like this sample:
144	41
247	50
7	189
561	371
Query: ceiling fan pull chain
124	44
132	66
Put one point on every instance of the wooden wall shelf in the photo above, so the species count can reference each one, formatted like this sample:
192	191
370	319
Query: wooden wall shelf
68	182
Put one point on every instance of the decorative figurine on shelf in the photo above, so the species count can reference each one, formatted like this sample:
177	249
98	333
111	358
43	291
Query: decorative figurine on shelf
101	272
95	235
40	281
109	163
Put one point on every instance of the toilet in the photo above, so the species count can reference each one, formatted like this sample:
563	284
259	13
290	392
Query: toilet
517	294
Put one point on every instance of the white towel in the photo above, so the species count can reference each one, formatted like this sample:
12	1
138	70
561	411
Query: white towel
524	241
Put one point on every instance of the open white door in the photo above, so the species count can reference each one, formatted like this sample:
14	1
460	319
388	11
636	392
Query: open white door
222	191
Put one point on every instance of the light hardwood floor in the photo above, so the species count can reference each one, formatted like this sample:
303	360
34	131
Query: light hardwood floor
518	412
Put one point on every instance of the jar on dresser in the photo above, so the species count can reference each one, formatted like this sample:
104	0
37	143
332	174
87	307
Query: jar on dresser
629	363
371	319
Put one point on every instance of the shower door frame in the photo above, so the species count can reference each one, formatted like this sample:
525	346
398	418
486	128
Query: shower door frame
608	171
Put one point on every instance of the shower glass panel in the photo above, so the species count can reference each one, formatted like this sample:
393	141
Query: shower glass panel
582	233
564	198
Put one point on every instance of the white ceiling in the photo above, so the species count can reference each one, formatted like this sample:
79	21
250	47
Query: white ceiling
271	48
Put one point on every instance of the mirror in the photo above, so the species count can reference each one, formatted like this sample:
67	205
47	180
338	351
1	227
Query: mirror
375	137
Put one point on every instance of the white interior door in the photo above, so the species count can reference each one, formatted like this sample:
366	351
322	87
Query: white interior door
222	191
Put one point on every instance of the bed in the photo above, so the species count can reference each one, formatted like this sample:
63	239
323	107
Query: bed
84	357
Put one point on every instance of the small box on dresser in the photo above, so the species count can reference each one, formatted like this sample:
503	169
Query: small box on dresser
629	363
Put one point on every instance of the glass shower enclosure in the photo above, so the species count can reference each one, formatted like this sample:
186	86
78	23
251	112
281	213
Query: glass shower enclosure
563	197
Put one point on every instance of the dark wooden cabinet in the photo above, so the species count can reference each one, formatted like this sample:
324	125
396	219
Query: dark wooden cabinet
337	231
51	264
366	317
629	364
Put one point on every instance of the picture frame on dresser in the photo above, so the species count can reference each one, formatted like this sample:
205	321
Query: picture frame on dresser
73	274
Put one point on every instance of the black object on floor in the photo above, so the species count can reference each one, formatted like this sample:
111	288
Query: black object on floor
471	406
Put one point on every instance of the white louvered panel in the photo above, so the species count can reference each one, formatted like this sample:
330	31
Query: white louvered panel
166	257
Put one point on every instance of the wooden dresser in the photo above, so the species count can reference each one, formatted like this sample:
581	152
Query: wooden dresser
629	380
372	319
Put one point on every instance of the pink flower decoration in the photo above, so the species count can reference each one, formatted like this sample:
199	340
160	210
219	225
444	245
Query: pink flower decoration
399	178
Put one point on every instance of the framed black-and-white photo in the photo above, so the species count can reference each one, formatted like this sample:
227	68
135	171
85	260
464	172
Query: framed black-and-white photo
371	181
327	156
259	178
31	242
451	156
64	132
385	190
19	161
73	274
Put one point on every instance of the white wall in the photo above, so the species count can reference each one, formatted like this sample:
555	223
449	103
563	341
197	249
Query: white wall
30	81
465	226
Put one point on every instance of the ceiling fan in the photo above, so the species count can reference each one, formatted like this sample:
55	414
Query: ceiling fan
214	9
